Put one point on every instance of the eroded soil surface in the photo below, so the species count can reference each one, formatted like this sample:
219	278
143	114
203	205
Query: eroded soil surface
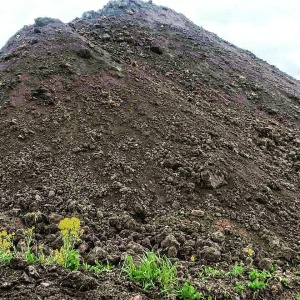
158	135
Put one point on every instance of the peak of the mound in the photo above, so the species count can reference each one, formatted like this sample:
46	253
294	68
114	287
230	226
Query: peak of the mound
120	7
114	7
140	13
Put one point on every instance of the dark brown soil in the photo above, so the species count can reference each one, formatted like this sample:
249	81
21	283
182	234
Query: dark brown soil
158	135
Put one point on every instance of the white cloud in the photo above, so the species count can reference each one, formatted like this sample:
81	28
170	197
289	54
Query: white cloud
268	28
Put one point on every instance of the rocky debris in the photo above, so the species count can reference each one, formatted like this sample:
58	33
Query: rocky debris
211	254
43	94
289	254
197	213
213	180
84	53
157	49
218	236
41	22
117	7
265	264
97	253
79	281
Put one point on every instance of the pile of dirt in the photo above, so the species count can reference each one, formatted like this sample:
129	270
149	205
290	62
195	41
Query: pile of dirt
158	135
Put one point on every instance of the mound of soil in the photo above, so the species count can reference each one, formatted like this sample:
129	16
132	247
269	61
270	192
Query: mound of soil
158	135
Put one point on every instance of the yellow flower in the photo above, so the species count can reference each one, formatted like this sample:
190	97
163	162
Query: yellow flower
5	241
70	231
249	251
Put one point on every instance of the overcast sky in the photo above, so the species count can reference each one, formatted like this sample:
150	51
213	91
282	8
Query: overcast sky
268	28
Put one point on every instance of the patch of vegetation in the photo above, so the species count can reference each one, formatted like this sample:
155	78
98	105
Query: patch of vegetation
285	282
237	270
5	246
212	272
188	292
257	279
67	256
151	270
239	287
26	251
98	267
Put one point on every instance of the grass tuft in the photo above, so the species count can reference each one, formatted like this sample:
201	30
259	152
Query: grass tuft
150	270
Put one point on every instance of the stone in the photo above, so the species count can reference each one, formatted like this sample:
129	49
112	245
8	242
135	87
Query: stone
45	284
255	226
136	297
33	218
51	194
80	281
218	236
36	30
197	213
32	271
211	253
105	37
289	254
212	180
170	241
55	218
135	247
98	253
84	53
41	22
38	198
157	49
172	251
265	264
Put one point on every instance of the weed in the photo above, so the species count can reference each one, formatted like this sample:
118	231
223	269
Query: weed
211	272
152	269
70	230
68	259
237	270
5	246
98	267
285	282
259	275
239	288
258	279
188	292
298	297
27	254
67	256
256	285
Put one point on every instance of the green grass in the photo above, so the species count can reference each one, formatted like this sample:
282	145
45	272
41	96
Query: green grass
211	272
5	257
150	270
188	292
256	285
237	270
98	267
285	282
239	288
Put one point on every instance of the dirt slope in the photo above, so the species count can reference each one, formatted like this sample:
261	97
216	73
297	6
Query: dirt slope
158	135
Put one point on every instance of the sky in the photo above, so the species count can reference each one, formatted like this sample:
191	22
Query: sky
268	28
